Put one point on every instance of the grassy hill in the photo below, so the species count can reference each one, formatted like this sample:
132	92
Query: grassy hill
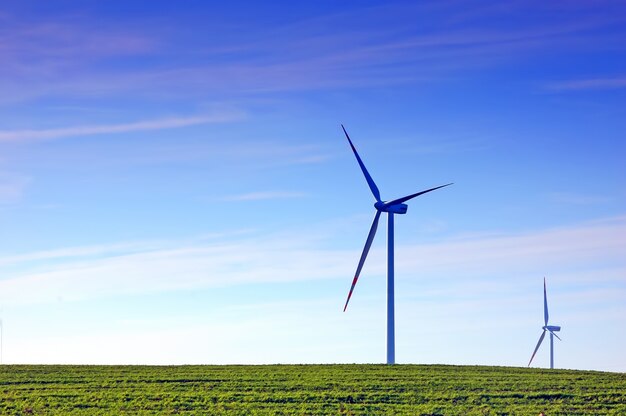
308	390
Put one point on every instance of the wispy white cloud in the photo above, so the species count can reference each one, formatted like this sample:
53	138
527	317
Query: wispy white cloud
263	195
311	159
301	56
589	84
479	263
89	130
569	198
25	46
82	253
353	59
72	253
293	258
184	268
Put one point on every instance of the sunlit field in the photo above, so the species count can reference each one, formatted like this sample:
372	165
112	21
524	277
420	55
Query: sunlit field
309	390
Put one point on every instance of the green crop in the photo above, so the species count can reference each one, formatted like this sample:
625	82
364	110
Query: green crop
308	390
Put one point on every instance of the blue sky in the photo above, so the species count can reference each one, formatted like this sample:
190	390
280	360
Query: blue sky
175	186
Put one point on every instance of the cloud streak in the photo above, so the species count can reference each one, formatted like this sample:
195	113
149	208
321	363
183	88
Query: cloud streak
589	84
264	195
63	43
90	130
294	56
293	258
570	198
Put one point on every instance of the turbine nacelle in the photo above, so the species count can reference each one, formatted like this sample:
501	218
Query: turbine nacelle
552	328
394	208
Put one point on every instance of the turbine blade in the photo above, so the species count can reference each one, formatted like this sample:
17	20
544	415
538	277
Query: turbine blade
406	198
368	178
556	336
545	303
543	334
366	249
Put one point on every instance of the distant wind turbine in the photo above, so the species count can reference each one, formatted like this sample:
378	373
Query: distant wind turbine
395	206
550	328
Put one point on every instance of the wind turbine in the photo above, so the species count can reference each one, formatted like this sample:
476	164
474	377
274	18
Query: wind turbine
395	206
549	328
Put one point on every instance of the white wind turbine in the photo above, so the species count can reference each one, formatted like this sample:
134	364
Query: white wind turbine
395	206
546	328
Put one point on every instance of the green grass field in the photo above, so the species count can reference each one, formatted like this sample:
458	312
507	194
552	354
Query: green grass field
308	390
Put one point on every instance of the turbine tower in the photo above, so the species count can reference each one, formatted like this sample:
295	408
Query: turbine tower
396	206
550	328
